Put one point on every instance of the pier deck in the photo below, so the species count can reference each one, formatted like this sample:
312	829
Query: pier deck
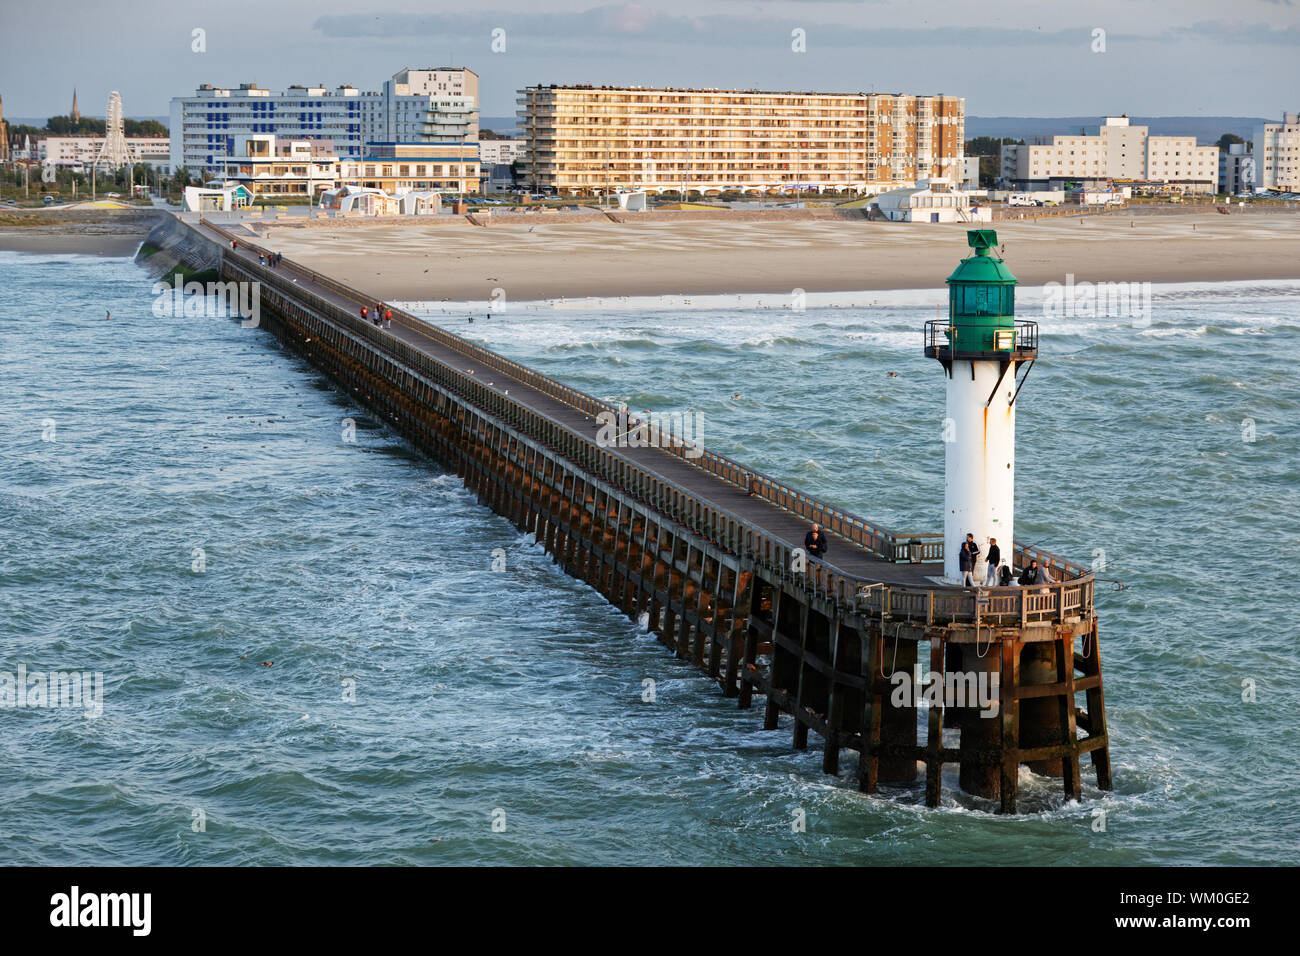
707	551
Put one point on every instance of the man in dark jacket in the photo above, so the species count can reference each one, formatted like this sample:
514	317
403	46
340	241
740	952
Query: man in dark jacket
814	542
970	552
1030	574
995	558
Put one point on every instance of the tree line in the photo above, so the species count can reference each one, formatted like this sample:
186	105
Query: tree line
86	126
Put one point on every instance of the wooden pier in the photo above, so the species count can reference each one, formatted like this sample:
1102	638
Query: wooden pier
710	551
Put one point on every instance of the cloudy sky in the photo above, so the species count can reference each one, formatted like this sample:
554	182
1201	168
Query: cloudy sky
1017	58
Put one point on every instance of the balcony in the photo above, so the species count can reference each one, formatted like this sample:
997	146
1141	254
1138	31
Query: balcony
991	343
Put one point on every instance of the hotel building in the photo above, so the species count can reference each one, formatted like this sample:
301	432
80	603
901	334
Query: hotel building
273	168
582	139
1120	152
1277	154
422	106
401	167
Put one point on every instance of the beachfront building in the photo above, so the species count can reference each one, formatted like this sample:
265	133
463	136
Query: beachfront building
584	139
420	106
400	167
1237	170
933	201
1120	152
207	126
219	197
273	168
79	152
1277	154
361	200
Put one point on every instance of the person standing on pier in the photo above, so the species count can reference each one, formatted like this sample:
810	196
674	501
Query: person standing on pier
995	558
970	552
814	542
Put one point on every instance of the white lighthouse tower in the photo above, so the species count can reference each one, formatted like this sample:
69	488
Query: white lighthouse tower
980	346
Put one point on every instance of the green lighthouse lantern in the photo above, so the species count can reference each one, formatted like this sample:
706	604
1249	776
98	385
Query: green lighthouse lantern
981	322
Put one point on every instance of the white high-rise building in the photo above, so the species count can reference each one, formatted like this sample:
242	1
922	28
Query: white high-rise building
433	105
1119	151
206	126
1277	154
415	106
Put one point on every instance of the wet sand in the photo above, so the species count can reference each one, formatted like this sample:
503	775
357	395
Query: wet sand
96	232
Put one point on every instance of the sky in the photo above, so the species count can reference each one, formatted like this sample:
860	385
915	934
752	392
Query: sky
1016	58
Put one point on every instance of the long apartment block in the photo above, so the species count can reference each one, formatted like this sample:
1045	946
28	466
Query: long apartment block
582	139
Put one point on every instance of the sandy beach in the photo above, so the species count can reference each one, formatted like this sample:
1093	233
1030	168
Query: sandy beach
538	260
96	232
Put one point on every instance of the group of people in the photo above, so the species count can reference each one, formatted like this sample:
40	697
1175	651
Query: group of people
999	573
272	260
380	315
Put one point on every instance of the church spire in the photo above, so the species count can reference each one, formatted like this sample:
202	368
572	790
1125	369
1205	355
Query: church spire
75	115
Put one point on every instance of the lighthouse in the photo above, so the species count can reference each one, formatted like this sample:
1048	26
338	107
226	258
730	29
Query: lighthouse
980	346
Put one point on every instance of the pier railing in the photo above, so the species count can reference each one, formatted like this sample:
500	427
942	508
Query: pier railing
1072	595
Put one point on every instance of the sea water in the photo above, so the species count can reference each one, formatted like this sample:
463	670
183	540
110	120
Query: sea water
183	502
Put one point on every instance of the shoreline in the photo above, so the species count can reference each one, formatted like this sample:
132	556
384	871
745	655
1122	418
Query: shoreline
110	233
927	298
109	247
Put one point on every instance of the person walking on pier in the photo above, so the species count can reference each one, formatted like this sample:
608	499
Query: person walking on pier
365	313
995	558
388	318
814	542
970	552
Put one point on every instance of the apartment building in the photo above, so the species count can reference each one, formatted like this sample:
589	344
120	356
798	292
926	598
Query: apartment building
79	152
1120	151
437	104
424	106
583	139
1277	154
1237	170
